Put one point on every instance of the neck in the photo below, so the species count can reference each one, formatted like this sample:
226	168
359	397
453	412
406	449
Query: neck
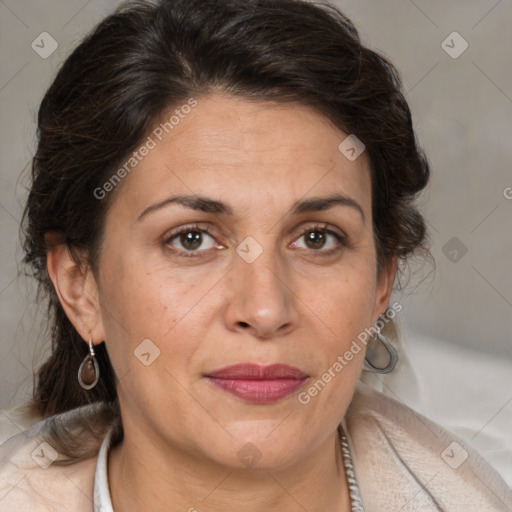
175	480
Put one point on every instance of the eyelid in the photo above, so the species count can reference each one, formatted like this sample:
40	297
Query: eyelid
190	227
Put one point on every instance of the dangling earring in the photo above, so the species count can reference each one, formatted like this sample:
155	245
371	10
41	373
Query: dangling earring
89	371
393	358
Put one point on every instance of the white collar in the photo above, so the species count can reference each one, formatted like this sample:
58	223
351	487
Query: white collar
102	501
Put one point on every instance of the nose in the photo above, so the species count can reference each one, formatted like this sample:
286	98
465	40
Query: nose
261	299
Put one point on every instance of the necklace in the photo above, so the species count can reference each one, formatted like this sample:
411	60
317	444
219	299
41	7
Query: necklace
356	504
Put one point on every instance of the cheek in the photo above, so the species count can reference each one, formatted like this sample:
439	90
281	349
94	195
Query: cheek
346	300
340	310
140	304
136	295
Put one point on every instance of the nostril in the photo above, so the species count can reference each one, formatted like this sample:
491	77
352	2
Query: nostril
243	324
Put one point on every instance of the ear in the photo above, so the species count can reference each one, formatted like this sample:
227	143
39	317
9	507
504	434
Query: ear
384	289
76	288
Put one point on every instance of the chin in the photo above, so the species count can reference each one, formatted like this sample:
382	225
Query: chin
260	444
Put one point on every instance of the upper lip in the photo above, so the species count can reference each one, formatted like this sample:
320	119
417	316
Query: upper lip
252	371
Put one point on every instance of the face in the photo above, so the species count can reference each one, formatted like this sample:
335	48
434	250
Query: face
253	266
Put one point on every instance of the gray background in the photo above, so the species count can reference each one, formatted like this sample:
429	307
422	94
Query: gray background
462	110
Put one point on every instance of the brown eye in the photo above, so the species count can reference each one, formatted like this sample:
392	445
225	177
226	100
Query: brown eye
189	240
321	240
315	239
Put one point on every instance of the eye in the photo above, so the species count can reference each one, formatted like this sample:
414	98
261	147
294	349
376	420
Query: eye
190	239
320	239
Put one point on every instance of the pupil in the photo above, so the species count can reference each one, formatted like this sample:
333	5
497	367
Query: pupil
316	238
191	240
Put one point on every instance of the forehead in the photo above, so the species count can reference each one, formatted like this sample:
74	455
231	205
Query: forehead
248	152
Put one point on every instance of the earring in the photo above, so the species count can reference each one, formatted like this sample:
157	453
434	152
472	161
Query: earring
89	371
393	357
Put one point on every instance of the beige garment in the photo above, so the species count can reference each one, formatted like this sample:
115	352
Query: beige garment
402	461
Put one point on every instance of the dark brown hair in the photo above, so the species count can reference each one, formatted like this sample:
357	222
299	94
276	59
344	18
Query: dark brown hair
149	56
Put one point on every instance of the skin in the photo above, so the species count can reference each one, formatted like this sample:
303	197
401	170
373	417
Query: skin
297	303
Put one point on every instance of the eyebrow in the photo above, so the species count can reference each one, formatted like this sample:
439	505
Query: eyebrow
207	205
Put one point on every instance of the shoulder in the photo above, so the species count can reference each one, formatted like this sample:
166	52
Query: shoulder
395	447
35	476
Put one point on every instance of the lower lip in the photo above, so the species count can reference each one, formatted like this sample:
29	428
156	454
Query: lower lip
258	391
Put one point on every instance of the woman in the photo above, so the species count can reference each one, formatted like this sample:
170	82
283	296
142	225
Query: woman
222	201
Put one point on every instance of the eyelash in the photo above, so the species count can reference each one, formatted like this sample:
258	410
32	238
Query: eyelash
197	254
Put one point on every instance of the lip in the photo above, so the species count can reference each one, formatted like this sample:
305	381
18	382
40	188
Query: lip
258	384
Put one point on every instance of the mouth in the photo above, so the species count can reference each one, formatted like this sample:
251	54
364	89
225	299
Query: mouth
258	384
